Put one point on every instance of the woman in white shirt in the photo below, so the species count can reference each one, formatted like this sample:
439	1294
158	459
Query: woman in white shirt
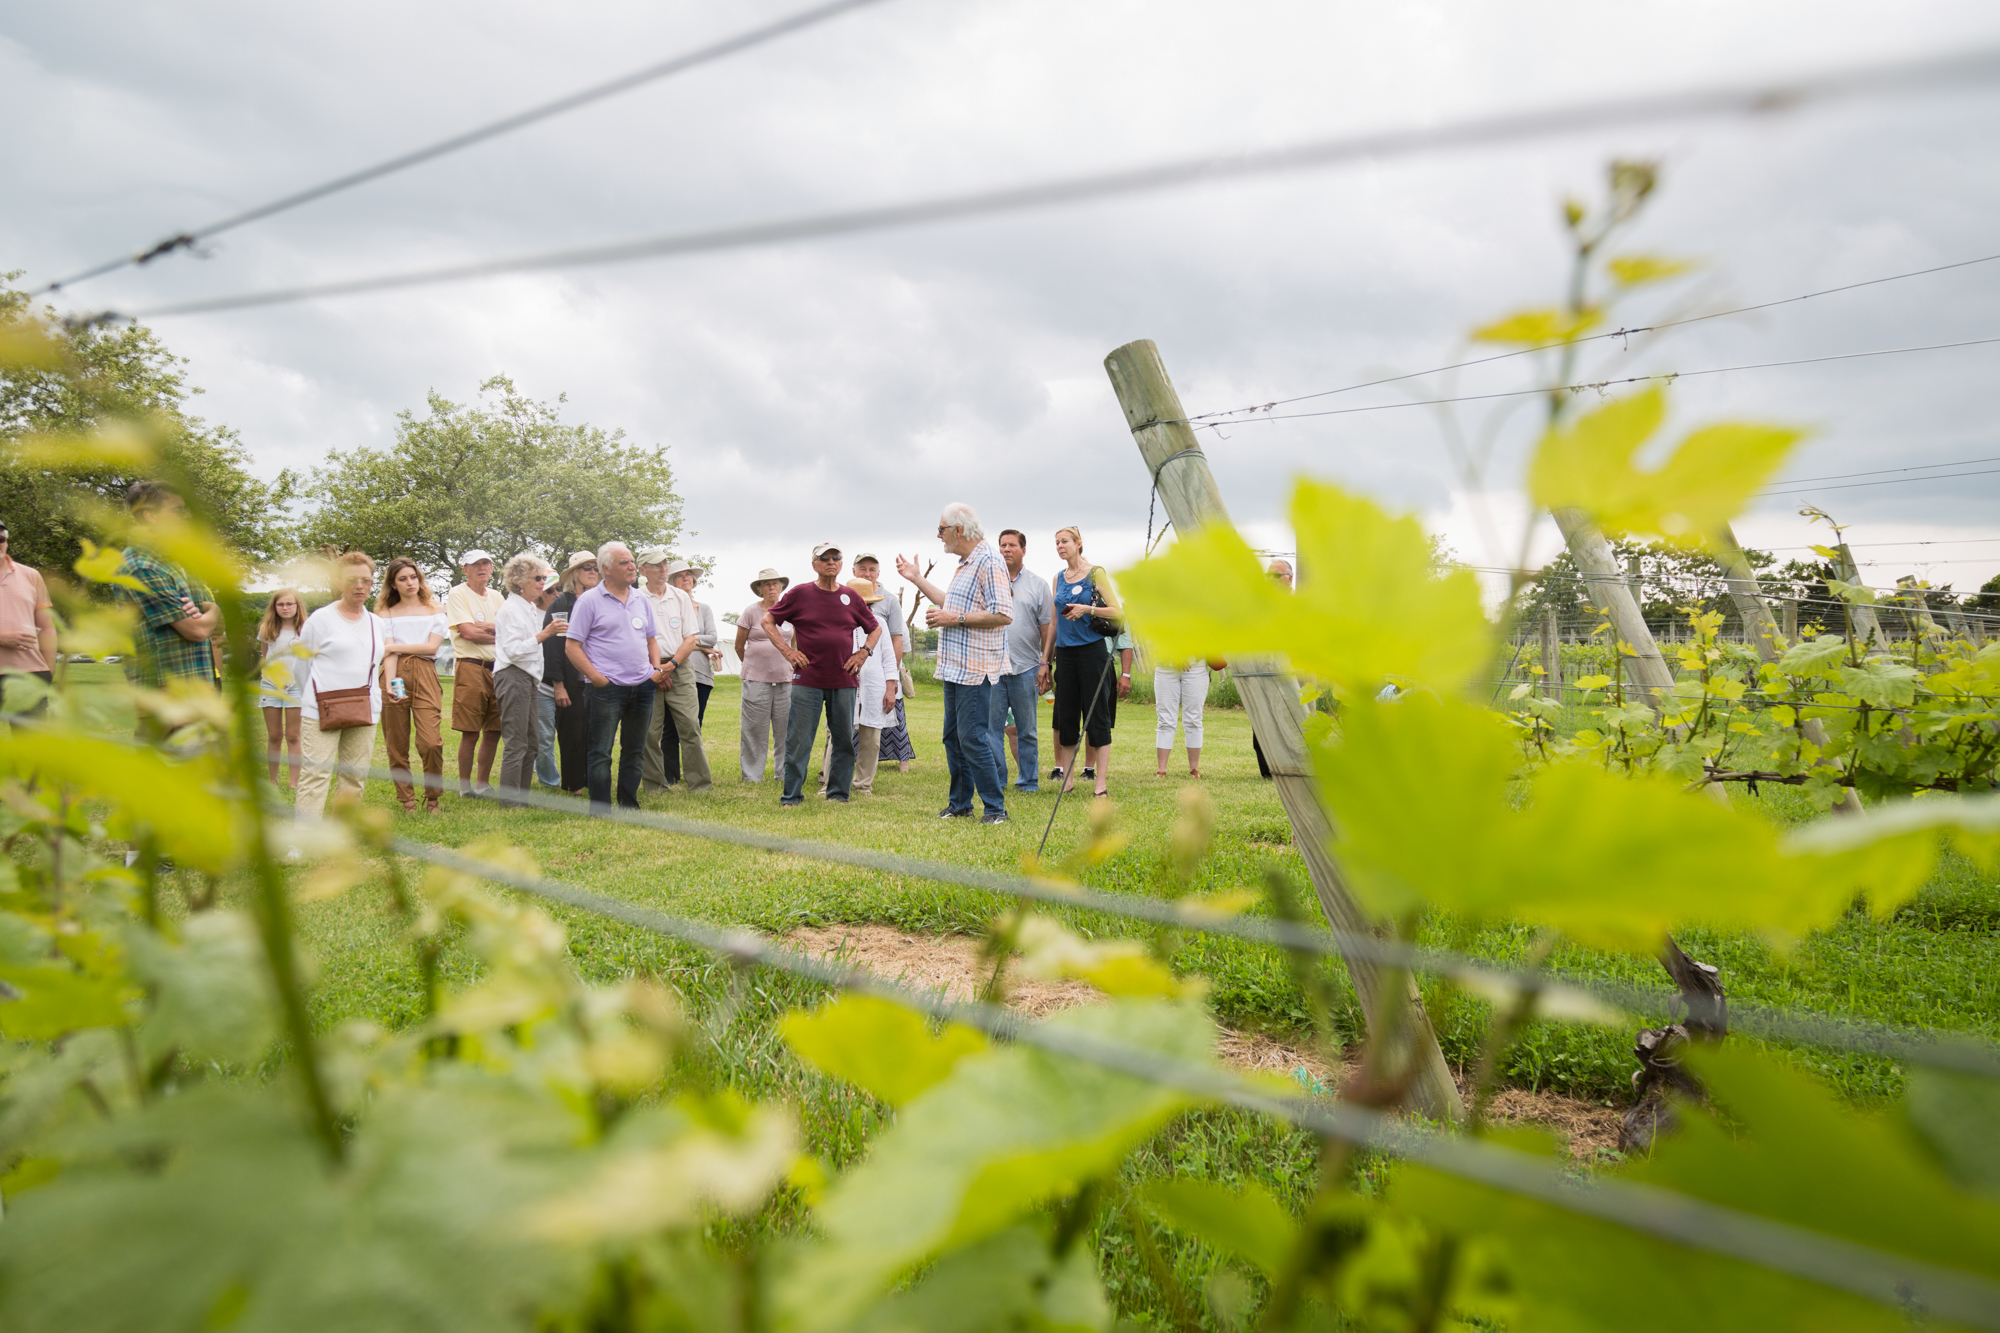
518	635
413	700
344	642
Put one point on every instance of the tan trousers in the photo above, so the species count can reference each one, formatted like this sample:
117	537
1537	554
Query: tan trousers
684	703
351	747
867	754
423	714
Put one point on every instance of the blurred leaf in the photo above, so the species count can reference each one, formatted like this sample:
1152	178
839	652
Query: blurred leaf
178	800
1637	270
1247	1223
1884	684
1708	480
114	446
1009	1129
1053	952
1006	1282
29	344
885	1048
662	1169
1955	1115
102	565
417	1232
1366	608
1537	328
212	996
50	1000
1422	792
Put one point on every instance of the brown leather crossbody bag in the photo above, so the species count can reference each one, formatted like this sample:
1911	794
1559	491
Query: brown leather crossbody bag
341	709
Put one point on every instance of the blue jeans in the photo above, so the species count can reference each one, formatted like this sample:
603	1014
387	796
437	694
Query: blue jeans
619	711
968	746
1016	692
802	729
546	771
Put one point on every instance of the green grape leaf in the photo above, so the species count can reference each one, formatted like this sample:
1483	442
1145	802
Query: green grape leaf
1367	607
1884	684
177	798
1007	1281
1792	1154
1637	270
1247	1223
50	1000
1538	328
1954	1115
885	1048
1858	594
1590	466
102	566
1814	657
212	995
1009	1129
1422	795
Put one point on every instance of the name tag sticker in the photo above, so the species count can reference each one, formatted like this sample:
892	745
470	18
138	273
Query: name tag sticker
638	623
843	599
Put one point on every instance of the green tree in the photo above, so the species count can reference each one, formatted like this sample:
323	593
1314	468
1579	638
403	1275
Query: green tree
97	376
1670	578
507	475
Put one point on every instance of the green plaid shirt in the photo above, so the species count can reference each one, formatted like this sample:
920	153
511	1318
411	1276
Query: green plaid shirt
162	653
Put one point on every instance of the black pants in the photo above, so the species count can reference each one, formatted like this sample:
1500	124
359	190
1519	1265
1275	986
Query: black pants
618	712
573	738
1083	674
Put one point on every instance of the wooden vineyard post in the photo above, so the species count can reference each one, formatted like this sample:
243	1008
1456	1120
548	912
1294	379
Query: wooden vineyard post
1188	492
1861	618
1616	594
1551	656
1758	625
1791	622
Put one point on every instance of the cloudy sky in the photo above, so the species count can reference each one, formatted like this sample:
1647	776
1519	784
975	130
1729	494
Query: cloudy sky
847	388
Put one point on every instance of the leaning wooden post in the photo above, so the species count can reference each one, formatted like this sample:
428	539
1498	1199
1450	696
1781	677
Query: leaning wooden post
1861	616
1188	492
1551	656
1617	597
1759	626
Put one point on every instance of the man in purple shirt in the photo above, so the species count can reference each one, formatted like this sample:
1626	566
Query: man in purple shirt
826	659
612	641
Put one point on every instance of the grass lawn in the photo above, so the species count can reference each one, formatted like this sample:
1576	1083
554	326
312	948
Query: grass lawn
1936	963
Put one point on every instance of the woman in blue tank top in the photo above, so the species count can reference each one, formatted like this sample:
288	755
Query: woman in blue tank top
1083	682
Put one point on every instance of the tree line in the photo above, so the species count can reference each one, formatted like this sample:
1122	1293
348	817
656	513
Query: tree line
503	472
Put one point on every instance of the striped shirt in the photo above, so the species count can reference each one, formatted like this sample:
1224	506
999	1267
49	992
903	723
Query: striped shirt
969	656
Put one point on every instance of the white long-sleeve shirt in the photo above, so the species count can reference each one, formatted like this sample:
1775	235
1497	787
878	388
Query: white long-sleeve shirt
514	631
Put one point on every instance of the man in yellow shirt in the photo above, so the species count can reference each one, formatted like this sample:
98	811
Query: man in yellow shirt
470	610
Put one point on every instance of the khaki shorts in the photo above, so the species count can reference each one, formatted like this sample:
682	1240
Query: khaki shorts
474	706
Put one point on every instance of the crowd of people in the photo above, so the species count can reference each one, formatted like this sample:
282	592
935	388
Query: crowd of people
595	681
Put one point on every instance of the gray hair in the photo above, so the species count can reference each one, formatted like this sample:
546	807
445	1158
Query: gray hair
604	552
520	567
960	517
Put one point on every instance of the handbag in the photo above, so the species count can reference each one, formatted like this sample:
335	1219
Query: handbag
342	709
1110	629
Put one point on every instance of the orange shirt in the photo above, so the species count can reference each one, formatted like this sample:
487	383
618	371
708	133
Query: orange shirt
22	593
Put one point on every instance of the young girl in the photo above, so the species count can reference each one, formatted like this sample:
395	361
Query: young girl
284	674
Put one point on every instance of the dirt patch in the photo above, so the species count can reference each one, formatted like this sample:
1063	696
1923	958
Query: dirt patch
951	966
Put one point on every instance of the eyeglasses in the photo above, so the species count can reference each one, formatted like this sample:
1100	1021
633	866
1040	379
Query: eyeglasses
833	556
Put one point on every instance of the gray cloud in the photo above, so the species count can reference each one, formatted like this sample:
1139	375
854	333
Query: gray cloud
849	388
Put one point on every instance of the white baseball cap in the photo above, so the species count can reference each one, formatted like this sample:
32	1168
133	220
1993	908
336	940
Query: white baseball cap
473	557
821	548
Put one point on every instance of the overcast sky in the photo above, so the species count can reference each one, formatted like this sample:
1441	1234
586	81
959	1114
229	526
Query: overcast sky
848	388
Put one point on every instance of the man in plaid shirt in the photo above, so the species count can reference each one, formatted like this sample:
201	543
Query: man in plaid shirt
971	619
174	629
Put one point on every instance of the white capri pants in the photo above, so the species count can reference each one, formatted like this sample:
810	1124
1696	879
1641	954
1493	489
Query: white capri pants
1178	694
